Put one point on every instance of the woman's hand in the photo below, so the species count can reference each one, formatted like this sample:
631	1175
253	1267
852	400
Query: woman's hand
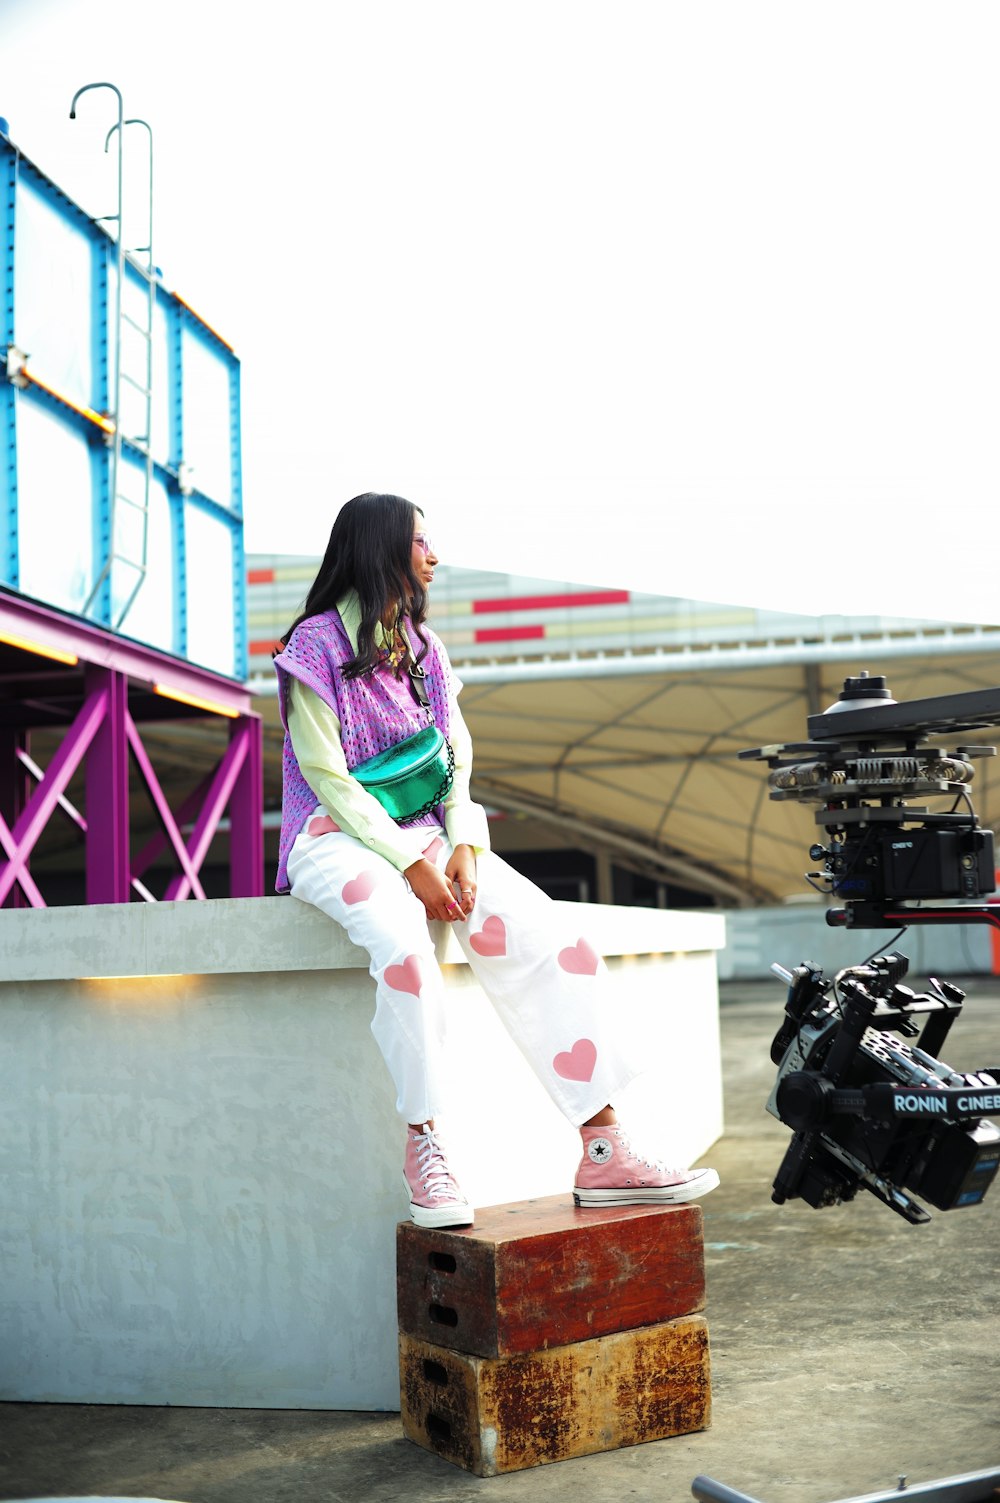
461	870
435	891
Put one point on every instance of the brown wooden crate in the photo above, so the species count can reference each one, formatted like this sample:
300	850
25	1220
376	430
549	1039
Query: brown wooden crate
492	1415
541	1273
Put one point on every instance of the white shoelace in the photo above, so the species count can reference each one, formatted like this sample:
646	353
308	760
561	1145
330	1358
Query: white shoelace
435	1175
638	1157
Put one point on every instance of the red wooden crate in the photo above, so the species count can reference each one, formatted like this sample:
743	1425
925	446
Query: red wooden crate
542	1273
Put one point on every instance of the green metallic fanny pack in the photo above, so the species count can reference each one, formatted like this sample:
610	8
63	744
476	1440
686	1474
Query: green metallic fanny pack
411	778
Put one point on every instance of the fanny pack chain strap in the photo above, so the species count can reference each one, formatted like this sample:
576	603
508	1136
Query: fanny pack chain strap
443	789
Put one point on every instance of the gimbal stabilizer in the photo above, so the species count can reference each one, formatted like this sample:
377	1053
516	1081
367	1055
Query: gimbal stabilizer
866	1108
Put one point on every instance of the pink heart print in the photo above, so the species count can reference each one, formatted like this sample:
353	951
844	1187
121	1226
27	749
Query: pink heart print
492	937
580	959
360	887
405	977
322	825
577	1063
431	851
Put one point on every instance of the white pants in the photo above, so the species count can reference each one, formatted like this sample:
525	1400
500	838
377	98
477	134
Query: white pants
546	982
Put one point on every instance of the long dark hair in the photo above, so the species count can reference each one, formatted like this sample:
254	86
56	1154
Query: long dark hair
370	551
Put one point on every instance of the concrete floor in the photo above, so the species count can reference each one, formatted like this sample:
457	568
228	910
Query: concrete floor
847	1348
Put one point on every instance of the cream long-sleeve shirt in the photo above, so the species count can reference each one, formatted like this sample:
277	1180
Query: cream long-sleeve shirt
315	735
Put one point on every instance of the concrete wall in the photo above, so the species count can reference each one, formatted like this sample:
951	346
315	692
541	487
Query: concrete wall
202	1163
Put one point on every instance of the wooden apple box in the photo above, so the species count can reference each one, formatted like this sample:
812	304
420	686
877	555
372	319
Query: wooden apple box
492	1415
542	1273
547	1331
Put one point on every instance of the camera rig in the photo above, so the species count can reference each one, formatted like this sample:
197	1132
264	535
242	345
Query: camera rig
867	1107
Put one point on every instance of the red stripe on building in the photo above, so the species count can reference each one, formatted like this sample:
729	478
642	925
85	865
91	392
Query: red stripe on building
552	602
509	633
263	649
260	576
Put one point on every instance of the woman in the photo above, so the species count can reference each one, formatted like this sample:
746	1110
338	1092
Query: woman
347	693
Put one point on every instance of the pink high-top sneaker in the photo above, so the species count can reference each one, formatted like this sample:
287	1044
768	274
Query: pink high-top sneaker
435	1199
611	1173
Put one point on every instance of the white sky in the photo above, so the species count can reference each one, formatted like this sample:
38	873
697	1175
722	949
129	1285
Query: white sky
700	298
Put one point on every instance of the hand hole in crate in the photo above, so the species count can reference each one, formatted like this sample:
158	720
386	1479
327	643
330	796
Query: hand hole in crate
437	1428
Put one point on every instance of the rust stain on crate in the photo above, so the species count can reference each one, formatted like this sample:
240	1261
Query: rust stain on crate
493	1415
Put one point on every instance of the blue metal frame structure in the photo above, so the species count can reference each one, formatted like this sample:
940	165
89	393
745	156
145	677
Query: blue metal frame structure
122	569
191	346
8	395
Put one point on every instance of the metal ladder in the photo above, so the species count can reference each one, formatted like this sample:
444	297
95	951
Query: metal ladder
128	508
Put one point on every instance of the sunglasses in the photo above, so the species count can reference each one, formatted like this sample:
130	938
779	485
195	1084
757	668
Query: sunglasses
424	541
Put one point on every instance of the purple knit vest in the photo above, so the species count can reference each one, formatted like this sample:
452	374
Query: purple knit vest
372	716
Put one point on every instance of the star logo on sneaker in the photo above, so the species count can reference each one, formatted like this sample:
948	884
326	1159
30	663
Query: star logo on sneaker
599	1150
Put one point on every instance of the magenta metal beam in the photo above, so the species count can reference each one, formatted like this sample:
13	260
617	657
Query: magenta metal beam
23	618
170	826
158	843
107	844
19	842
70	810
212	810
14	790
246	833
75	817
109	668
17	870
246	828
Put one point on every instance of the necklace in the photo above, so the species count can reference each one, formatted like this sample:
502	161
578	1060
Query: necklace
395	651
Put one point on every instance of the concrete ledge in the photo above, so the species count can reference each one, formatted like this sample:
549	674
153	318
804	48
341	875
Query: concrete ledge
229	935
201	1158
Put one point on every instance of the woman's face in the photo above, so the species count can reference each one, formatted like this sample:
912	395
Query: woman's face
424	558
